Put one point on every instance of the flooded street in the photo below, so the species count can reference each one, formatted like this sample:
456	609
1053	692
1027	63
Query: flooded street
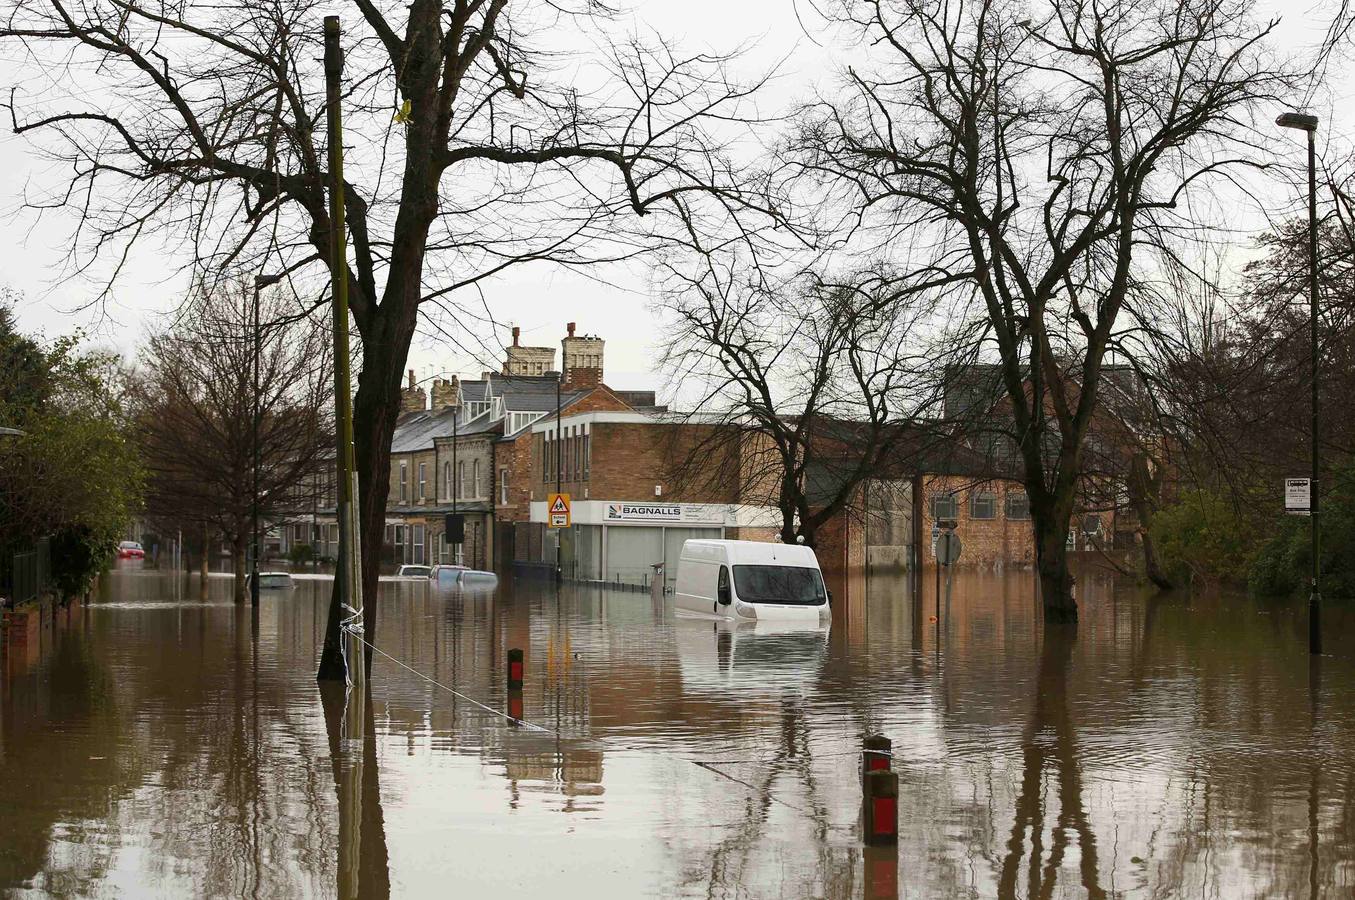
165	748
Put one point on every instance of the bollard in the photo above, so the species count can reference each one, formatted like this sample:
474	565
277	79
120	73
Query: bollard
881	870
515	707
875	755
880	807
515	670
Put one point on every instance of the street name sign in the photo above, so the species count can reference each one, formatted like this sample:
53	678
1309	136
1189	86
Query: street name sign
1298	496
557	511
948	548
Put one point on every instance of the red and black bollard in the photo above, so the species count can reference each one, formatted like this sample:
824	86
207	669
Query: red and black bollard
515	670
876	751
880	807
514	707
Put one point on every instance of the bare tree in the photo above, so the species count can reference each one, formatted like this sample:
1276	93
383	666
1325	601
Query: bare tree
195	409
481	139
810	387
1048	156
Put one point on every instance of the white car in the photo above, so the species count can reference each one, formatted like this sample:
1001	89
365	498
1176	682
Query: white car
414	572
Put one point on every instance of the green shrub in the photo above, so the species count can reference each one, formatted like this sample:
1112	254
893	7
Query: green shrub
301	553
1284	564
78	554
1202	534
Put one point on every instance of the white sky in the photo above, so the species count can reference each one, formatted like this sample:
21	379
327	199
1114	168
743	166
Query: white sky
541	299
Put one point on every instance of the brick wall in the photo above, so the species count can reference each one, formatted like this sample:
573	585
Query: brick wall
600	399
411	460
1000	540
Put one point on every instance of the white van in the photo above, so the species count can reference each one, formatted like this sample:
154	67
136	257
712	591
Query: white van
750	581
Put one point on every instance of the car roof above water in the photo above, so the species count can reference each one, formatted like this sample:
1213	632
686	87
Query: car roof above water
756	553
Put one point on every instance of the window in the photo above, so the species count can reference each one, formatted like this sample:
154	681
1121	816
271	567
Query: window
1091	524
780	584
587	454
1018	506
423	480
416	540
475	479
399	536
503	486
404	482
447	480
520	420
944	506
982	505
461	480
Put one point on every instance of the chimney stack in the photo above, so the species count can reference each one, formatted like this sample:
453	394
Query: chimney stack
412	398
582	363
446	394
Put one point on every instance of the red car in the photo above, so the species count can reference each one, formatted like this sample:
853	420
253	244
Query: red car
131	550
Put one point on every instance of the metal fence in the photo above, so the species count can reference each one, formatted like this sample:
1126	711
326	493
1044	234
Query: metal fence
28	575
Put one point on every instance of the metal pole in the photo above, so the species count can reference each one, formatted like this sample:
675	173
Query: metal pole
349	572
254	504
456	478
1314	598
559	464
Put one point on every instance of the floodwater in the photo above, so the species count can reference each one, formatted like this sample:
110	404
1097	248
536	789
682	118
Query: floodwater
156	745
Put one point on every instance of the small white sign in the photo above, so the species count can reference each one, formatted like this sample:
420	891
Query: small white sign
1298	496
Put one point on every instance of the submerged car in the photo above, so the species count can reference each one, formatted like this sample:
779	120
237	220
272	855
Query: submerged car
131	550
464	576
275	581
414	572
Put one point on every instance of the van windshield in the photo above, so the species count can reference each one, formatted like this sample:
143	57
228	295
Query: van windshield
779	584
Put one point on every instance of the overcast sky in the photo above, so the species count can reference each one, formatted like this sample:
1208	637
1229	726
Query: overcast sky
540	299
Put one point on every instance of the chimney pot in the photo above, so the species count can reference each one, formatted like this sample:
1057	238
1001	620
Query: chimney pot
516	332
570	329
411	378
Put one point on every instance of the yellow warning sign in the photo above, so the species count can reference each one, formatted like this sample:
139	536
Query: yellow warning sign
557	511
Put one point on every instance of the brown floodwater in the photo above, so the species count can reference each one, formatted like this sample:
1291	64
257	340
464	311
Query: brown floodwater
154	744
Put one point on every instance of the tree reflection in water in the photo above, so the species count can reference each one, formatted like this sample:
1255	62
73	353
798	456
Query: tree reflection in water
1050	741
363	861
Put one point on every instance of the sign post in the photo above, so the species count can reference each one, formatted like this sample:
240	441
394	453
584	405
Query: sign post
1298	496
558	511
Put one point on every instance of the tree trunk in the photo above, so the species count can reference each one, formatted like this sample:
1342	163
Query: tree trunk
1143	500
1051	560
206	544
238	545
376	406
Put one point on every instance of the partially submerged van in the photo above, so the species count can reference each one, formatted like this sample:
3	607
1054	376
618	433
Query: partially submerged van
750	581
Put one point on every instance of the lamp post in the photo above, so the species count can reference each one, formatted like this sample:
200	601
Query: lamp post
1308	124
559	471
260	282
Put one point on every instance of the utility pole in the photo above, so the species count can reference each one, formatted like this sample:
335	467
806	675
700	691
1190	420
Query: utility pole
260	282
349	573
456	476
559	464
1308	123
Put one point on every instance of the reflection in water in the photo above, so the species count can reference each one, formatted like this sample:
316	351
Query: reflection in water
154	741
1050	741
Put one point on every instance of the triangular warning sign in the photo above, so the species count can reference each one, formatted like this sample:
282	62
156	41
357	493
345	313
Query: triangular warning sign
559	506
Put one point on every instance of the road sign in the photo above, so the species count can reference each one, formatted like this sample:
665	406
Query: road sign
947	548
1298	496
557	511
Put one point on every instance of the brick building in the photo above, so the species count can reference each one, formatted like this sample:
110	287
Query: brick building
627	513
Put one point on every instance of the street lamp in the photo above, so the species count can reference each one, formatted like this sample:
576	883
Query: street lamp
559	470
260	282
1308	123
